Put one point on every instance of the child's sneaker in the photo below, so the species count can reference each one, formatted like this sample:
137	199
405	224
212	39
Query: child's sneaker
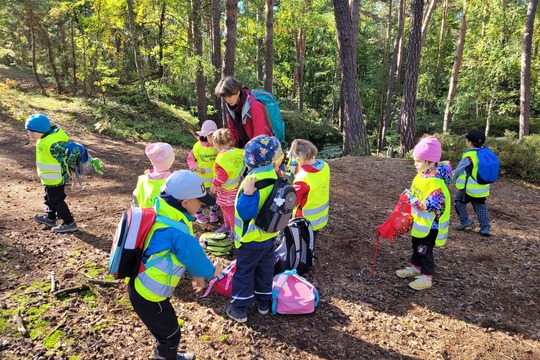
236	315
213	217
201	219
464	225
64	228
44	219
484	231
224	229
263	308
185	356
408	272
422	282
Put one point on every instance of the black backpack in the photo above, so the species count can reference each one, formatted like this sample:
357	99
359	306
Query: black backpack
295	247
277	210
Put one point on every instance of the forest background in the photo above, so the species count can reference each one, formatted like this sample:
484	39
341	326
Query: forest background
360	76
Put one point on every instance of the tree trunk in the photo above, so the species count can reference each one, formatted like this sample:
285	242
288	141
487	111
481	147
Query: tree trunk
408	107
230	37
136	50
260	44
269	47
440	48
384	80
455	70
216	58
73	57
355	141
427	20
398	64
490	108
391	73
300	40
161	69
33	45
200	82
525	91
50	54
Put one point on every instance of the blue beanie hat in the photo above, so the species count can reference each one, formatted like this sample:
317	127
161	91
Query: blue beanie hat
260	151
38	123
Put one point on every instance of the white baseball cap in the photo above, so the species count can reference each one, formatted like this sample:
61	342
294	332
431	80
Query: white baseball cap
184	185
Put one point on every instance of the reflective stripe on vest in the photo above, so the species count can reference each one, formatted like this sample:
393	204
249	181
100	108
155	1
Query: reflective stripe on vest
317	203
232	161
468	182
157	282
252	231
422	187
48	168
205	157
147	190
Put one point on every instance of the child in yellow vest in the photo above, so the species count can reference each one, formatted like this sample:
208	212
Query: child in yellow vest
161	155
201	161
312	185
228	173
430	204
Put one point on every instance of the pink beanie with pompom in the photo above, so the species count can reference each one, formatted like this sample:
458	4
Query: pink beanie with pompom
428	148
161	156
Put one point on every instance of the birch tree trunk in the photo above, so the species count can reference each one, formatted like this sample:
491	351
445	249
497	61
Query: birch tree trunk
136	50
525	90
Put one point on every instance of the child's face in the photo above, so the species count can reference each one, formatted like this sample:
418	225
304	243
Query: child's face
191	206
422	165
34	135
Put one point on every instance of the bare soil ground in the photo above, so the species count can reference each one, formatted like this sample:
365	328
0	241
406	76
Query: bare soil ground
484	303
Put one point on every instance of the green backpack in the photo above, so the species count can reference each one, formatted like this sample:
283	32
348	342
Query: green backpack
216	244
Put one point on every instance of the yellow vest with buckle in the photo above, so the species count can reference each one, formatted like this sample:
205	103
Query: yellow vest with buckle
232	161
468	182
253	232
147	190
422	187
316	207
205	156
48	168
163	270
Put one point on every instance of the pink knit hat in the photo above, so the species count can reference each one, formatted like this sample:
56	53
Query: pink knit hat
208	127
428	148
161	156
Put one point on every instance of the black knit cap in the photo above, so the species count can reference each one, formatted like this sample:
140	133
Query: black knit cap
476	136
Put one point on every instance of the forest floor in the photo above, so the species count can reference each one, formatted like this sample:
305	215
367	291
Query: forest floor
484	303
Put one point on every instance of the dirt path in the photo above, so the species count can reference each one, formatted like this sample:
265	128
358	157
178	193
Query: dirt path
484	303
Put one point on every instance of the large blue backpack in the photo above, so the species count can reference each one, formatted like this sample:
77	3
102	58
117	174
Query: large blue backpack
488	166
273	115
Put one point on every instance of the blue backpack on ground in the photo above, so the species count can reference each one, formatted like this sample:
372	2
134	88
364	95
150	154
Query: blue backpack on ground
488	166
273	115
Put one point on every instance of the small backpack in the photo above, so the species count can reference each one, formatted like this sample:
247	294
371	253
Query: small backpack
127	247
295	247
222	283
293	294
488	166
85	162
277	209
216	244
399	223
273	115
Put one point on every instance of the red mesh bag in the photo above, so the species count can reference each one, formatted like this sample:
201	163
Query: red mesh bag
399	223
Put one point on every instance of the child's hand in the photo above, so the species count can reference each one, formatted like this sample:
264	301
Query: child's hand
249	186
218	269
198	284
213	189
197	170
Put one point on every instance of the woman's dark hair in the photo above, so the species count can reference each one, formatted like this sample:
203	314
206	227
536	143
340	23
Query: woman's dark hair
228	86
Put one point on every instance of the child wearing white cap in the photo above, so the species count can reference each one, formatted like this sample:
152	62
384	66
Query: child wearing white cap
430	204
170	251
161	155
201	161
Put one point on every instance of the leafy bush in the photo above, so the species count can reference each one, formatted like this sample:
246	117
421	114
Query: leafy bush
308	125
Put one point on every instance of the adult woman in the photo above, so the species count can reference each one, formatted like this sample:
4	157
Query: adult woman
246	117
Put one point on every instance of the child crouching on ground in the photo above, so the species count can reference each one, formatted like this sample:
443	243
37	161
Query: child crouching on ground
255	248
312	185
430	203
201	161
228	173
149	184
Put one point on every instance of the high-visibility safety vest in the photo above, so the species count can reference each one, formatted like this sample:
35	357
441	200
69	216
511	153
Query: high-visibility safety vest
147	190
157	282
205	156
48	168
468	182
253	232
316	207
232	161
423	220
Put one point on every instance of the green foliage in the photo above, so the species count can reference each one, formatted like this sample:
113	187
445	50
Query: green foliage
308	125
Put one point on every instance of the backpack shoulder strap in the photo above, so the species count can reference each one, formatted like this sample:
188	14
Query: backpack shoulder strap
261	184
